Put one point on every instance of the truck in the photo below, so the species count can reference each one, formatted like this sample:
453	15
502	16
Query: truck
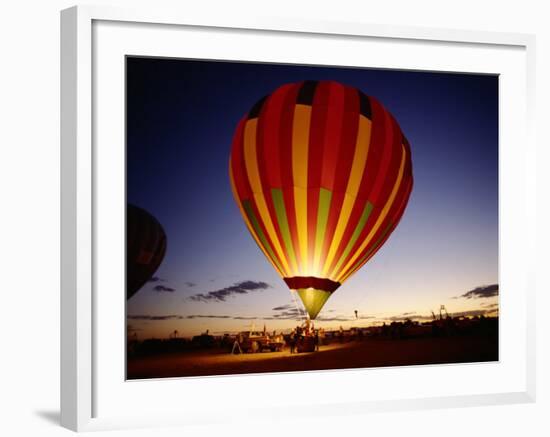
257	341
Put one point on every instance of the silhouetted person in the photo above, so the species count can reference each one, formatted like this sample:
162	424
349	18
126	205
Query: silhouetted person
317	341
298	339
292	341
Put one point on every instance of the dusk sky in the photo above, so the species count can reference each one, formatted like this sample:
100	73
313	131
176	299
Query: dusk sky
181	116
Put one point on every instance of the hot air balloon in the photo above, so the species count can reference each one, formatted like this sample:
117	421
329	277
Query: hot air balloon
145	248
321	174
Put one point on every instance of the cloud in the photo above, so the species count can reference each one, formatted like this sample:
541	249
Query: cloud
481	292
471	313
190	284
283	307
222	294
150	317
335	319
341	318
162	288
179	317
288	314
405	316
155	279
489	305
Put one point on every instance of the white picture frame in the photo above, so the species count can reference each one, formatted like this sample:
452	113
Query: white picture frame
93	39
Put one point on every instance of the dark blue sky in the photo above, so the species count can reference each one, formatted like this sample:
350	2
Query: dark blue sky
180	120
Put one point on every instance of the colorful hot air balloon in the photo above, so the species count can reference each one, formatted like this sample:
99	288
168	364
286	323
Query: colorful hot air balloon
145	248
322	174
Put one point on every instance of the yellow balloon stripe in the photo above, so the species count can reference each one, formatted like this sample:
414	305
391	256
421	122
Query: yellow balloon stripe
358	168
249	225
357	231
300	145
251	164
380	219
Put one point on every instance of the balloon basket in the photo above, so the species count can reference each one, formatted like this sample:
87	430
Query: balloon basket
306	344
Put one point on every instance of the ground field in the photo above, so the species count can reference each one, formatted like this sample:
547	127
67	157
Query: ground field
356	354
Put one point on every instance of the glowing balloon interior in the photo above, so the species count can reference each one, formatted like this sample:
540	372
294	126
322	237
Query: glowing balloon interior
322	174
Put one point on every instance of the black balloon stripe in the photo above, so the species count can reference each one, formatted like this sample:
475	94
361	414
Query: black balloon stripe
307	92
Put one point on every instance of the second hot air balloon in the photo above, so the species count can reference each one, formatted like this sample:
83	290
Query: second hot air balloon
322	174
145	248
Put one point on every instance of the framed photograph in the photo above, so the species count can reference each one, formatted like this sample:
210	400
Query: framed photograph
272	207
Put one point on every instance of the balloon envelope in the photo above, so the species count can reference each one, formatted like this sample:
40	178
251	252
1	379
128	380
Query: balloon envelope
321	173
145	248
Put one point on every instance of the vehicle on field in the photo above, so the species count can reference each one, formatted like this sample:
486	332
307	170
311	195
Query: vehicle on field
258	341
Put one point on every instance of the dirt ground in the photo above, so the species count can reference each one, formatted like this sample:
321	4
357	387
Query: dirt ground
357	354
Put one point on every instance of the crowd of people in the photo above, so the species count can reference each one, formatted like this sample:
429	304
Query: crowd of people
305	338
